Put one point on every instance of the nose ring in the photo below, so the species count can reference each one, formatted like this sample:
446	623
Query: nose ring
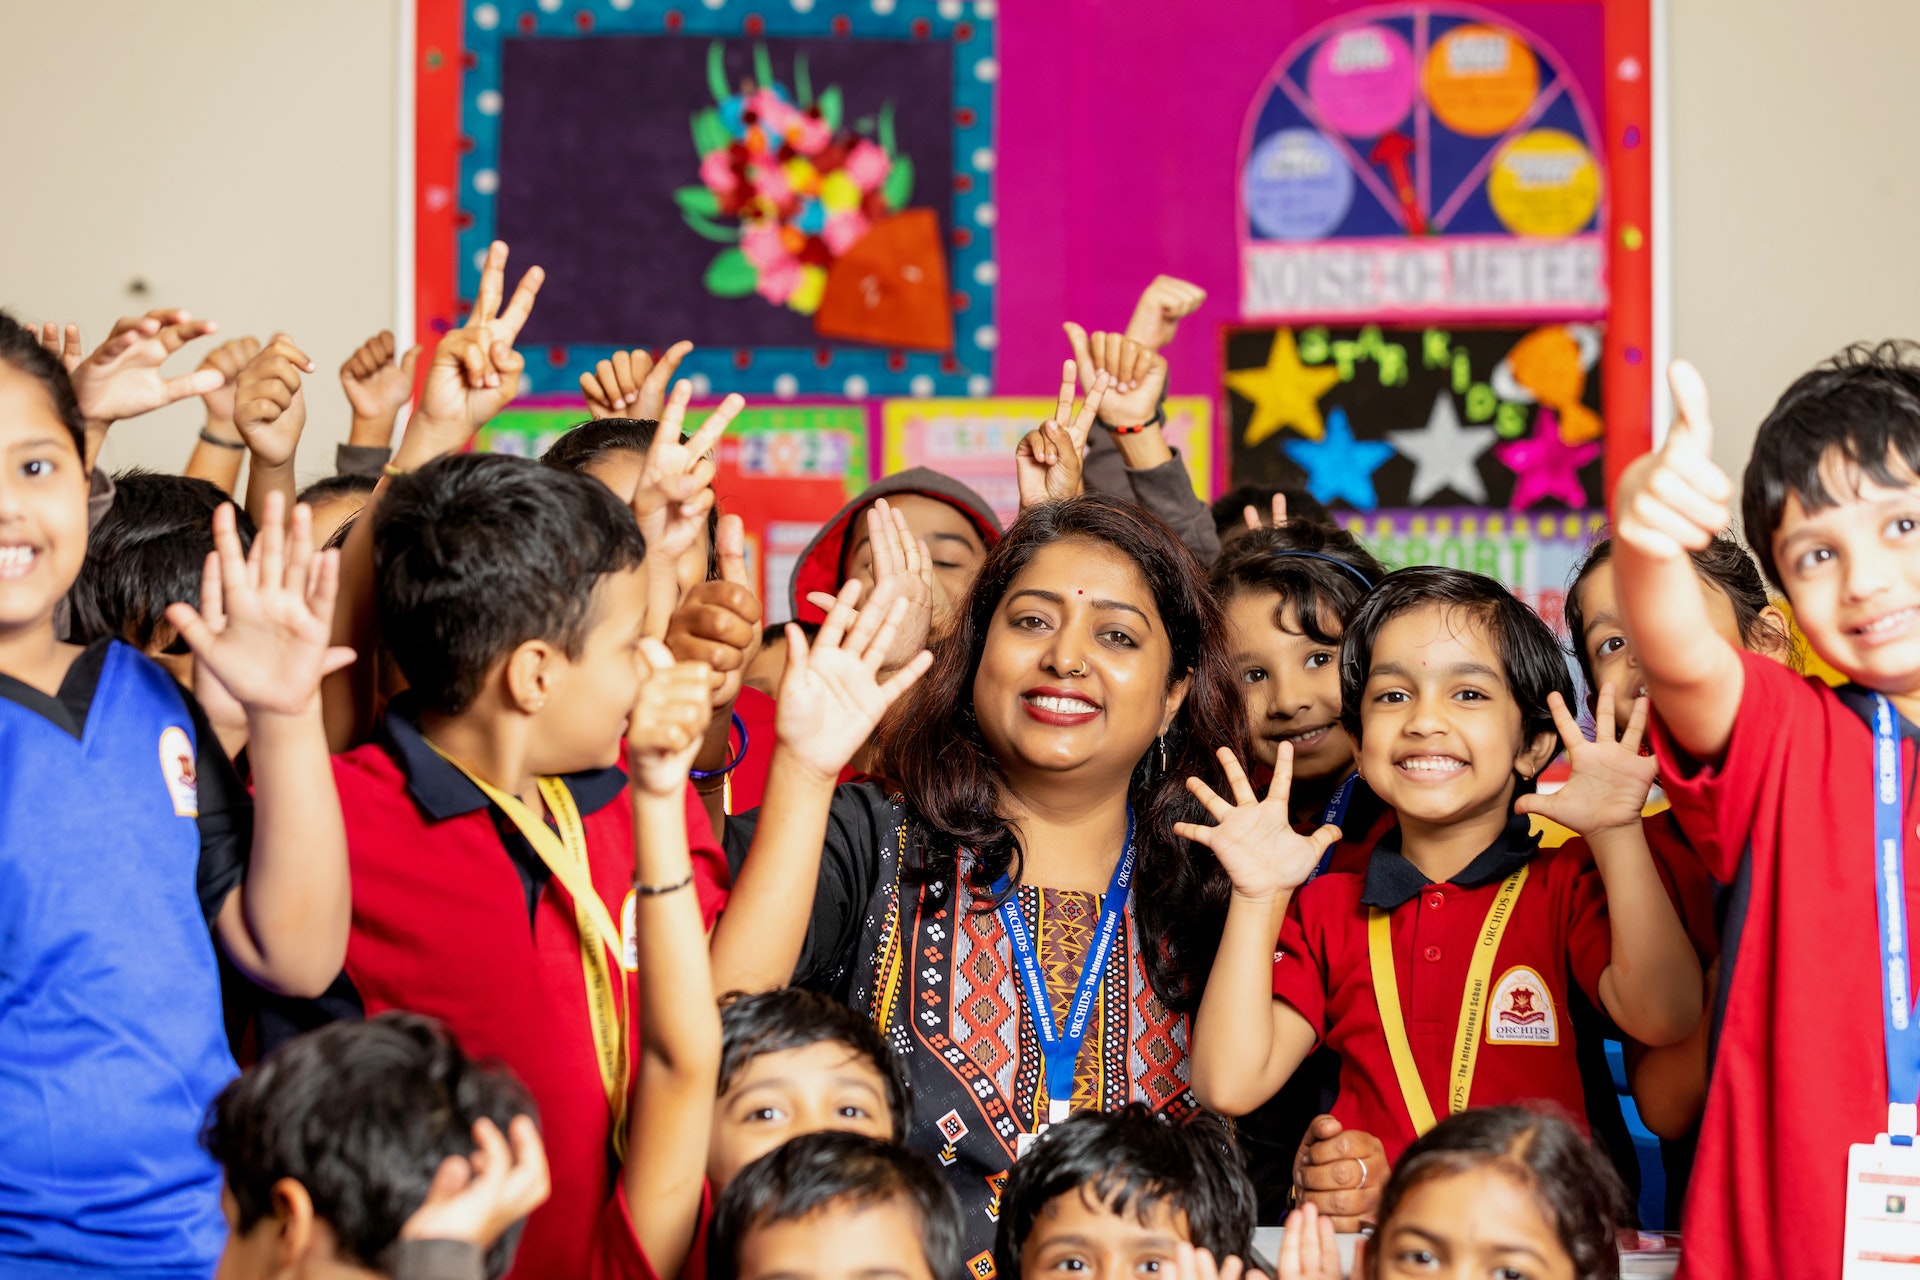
1079	670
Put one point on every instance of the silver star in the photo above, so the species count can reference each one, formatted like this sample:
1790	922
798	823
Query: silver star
1444	454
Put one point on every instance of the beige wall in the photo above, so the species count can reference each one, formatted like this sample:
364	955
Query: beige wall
237	155
1796	191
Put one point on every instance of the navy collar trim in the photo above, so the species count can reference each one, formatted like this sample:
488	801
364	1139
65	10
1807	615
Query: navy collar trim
1393	881
443	792
1859	700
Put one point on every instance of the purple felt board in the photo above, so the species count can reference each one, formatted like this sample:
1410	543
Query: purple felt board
595	138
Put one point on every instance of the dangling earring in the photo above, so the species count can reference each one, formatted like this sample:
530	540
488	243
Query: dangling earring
1163	753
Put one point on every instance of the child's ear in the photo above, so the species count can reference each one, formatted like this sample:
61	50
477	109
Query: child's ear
293	1225
1536	757
532	673
1773	634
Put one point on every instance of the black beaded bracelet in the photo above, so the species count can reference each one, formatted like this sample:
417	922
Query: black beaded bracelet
660	890
218	443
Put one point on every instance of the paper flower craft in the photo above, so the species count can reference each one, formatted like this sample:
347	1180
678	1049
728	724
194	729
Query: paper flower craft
797	193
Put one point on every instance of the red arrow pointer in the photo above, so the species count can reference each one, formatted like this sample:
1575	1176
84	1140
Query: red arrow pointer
1391	153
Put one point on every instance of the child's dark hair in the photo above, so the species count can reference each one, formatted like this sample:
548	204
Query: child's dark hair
1864	403
1230	508
147	552
360	1114
793	1018
1533	662
1725	564
1322	571
475	554
20	347
1132	1162
815	1170
333	488
582	446
1576	1187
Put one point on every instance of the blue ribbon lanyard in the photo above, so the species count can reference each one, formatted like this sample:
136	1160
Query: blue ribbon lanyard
1061	1048
1890	890
1336	814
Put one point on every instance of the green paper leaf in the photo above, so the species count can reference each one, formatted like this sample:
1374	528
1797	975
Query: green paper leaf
899	185
709	135
717	72
731	276
697	200
886	128
710	230
762	67
830	107
802	82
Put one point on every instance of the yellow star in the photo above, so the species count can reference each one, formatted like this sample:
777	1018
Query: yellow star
1285	393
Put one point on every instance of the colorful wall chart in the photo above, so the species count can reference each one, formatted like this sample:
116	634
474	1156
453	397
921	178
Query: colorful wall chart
1368	418
784	470
791	187
973	441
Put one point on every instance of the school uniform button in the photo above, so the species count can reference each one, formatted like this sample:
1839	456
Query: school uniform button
1433	953
1436	900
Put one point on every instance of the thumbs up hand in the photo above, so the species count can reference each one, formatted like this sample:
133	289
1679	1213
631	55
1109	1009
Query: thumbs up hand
1674	500
719	621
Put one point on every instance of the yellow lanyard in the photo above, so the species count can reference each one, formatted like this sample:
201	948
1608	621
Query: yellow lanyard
565	855
1473	1005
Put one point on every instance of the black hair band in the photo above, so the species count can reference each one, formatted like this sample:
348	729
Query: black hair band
1335	560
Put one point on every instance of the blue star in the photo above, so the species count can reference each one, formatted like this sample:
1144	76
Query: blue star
1338	466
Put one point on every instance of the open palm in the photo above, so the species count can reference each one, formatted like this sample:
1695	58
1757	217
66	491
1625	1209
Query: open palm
832	697
122	378
277	604
1610	778
1262	853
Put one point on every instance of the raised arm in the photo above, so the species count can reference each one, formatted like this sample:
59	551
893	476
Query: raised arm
218	451
1669	503
475	373
270	412
1047	459
831	699
1246	1043
377	387
679	1066
719	624
262	631
1651	985
632	384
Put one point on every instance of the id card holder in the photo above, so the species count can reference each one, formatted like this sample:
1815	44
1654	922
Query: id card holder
1882	1239
1056	1112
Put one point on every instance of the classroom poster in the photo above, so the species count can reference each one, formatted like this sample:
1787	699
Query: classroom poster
974	441
783	469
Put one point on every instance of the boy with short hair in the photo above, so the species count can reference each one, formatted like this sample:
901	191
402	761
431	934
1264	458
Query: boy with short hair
369	1148
1115	1193
1779	781
838	1206
129	849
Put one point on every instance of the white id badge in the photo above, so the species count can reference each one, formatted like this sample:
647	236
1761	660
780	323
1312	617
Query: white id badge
1883	1212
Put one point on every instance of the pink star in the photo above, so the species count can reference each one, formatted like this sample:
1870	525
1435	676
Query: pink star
1544	466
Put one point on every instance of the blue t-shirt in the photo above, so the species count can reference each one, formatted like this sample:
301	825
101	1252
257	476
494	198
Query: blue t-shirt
111	1038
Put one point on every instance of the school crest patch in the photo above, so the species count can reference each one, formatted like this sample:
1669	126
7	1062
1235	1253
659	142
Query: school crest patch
1522	1011
176	767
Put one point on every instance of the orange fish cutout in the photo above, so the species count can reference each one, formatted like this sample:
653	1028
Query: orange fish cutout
890	287
1547	363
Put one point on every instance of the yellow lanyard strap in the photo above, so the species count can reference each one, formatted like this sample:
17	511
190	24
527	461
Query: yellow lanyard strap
1473	1005
565	855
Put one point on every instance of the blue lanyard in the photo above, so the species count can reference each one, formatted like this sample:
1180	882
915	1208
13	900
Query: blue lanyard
1061	1049
1336	814
1890	888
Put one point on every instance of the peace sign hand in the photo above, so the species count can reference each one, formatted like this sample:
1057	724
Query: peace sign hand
1611	779
1675	500
1047	461
1262	853
1251	514
475	370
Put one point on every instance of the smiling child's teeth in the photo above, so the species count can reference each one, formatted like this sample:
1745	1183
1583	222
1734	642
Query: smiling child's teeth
1430	764
15	557
1065	706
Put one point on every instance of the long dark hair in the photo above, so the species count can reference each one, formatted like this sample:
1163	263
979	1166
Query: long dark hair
934	751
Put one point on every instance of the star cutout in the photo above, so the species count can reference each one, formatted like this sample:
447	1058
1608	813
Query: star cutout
1338	466
1545	466
1445	455
1285	393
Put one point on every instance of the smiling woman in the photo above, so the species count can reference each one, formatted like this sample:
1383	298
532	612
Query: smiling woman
1015	911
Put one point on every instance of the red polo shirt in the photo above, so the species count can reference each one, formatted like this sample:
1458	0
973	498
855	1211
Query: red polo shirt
1557	934
1799	1066
454	918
